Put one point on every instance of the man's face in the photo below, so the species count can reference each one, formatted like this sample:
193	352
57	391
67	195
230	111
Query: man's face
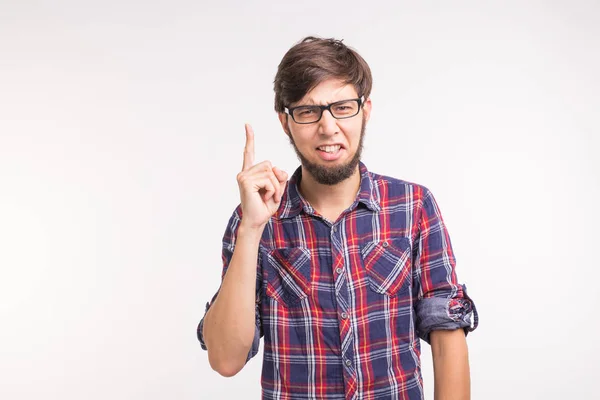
326	166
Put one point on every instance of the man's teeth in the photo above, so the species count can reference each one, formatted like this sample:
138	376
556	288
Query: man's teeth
330	149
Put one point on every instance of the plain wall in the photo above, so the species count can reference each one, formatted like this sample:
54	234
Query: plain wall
122	131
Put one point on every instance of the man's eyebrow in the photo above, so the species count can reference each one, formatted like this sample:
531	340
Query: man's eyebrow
312	102
308	102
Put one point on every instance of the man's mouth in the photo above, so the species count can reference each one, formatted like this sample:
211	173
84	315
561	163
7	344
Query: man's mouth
330	149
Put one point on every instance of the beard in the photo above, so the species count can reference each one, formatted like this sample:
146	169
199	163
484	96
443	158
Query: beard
335	174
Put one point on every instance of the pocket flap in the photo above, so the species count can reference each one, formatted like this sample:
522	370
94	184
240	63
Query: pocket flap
388	264
288	274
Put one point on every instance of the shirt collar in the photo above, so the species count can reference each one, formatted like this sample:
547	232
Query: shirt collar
292	202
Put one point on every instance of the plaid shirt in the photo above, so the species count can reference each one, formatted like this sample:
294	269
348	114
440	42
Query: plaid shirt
342	305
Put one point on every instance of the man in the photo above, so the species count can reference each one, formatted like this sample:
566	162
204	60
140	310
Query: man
341	270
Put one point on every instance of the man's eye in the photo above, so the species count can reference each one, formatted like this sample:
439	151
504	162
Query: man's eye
305	112
344	109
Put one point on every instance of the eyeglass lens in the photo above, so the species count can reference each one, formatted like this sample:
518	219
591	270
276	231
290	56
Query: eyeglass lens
343	109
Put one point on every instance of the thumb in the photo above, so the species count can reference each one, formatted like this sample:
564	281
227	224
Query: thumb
280	175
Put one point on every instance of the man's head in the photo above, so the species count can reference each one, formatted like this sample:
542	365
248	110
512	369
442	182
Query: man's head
321	72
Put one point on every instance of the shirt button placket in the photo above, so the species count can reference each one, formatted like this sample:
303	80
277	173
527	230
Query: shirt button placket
345	328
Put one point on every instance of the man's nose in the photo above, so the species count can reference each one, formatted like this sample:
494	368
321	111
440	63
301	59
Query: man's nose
328	124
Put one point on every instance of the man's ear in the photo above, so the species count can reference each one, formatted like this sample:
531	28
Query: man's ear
367	107
283	119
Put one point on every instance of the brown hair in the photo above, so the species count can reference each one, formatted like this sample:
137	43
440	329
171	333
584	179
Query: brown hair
314	60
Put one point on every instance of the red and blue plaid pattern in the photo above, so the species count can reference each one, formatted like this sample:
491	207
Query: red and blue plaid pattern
341	306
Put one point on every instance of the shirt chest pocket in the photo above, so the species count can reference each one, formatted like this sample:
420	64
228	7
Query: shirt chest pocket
287	272
388	265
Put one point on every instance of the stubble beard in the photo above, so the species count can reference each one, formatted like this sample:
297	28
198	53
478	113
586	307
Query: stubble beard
335	174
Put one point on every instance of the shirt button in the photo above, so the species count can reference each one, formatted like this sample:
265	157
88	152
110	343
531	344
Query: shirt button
339	271
348	363
344	315
385	244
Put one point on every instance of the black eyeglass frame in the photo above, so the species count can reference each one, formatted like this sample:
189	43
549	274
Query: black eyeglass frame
290	111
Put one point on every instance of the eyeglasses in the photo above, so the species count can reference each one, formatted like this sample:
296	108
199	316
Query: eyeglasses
339	110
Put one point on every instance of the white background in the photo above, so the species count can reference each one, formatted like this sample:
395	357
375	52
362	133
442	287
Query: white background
122	130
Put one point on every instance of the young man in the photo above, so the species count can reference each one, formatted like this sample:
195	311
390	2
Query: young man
341	270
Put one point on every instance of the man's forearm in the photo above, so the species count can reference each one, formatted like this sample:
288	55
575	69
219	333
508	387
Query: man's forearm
229	324
450	365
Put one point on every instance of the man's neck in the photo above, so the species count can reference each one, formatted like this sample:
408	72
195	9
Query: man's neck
327	199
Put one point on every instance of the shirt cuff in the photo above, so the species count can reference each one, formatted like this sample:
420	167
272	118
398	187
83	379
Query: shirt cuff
199	330
257	335
437	313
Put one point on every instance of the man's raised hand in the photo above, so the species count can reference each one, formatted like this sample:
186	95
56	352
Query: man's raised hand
261	186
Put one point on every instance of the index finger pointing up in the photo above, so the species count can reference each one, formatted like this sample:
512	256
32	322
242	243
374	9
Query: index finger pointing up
249	149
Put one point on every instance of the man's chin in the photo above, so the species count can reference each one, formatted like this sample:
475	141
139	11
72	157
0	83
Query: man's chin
330	174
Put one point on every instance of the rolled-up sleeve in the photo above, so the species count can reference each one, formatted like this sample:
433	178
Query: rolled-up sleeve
441	303
227	254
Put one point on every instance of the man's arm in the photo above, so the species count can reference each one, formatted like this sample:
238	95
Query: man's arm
229	324
443	308
450	365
